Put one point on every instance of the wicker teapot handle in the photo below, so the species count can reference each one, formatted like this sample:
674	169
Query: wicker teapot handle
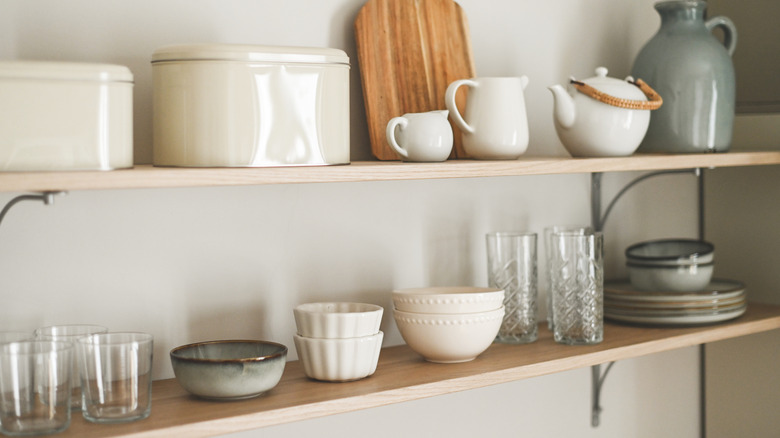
655	101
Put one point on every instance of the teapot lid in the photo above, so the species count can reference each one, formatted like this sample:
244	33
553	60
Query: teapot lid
622	89
622	94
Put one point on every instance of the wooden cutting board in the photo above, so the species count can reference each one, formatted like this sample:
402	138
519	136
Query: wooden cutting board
409	52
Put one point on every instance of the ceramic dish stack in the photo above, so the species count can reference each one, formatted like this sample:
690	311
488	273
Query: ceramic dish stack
338	342
448	324
670	283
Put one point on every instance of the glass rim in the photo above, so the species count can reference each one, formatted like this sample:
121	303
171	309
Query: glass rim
121	338
50	331
592	233
511	234
8	348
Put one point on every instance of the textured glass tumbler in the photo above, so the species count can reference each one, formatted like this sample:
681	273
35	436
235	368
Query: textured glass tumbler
71	333
548	232
577	277
116	376
512	267
35	387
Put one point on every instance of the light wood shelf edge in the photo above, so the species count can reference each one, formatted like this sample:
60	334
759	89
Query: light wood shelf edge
403	376
147	176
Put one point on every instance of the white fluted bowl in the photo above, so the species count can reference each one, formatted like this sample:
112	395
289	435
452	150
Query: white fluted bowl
449	338
337	320
450	300
339	360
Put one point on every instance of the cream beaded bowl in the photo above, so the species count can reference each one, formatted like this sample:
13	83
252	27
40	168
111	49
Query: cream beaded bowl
449	338
448	300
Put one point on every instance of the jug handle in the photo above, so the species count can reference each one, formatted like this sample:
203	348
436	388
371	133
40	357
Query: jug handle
390	134
449	101
729	31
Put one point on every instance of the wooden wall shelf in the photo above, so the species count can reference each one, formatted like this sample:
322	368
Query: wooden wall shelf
402	375
147	176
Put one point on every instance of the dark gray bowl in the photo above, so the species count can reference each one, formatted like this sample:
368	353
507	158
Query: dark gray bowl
229	370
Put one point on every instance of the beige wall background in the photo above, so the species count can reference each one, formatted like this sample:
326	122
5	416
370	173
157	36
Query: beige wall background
209	263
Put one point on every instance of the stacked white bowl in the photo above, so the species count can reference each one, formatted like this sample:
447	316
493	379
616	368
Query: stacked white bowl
448	324
338	342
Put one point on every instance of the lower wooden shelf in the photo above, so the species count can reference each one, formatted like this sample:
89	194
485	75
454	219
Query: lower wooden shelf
402	375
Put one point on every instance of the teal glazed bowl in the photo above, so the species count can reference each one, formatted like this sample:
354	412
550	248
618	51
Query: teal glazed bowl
229	370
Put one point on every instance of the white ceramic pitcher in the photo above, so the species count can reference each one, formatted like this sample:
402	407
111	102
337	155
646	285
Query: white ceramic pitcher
497	126
421	136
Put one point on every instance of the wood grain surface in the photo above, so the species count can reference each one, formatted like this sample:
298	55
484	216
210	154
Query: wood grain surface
402	375
409	51
146	176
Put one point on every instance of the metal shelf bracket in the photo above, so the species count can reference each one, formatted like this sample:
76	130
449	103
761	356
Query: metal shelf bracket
46	197
598	219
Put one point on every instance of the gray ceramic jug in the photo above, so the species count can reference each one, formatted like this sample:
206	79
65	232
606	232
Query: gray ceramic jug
692	71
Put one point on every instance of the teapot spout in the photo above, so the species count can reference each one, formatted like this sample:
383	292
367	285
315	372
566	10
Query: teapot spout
563	106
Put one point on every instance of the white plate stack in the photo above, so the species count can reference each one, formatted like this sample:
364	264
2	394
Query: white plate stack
721	300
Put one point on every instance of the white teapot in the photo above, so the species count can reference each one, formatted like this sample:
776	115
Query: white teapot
602	116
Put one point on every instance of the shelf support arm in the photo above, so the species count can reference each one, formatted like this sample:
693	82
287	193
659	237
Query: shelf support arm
598	219
46	197
597	382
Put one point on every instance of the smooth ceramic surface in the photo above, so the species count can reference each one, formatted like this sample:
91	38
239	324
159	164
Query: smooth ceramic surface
337	320
495	124
339	360
250	106
229	370
65	116
717	289
448	300
679	278
675	320
448	338
692	70
589	128
671	252
425	137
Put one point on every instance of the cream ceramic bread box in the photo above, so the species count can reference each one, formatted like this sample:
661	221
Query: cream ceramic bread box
228	105
65	116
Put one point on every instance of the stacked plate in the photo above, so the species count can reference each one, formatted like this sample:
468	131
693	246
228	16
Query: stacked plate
721	300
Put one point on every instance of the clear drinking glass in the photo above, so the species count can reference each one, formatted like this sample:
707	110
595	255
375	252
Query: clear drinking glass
548	232
71	333
512	267
35	387
577	278
116	376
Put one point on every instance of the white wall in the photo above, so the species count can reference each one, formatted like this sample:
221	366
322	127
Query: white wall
197	264
744	212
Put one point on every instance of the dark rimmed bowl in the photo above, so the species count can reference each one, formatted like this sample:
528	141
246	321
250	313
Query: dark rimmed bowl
671	252
229	370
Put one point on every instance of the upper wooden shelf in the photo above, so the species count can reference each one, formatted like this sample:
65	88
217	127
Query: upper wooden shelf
402	375
147	176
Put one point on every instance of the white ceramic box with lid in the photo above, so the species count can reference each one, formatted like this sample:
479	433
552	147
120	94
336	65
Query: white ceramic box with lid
65	116
230	105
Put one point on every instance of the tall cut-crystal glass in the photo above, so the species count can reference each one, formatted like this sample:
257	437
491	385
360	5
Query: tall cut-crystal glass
548	232
512	267
577	277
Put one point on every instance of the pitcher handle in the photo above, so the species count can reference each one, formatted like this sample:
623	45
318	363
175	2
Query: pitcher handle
729	31
390	134
449	101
